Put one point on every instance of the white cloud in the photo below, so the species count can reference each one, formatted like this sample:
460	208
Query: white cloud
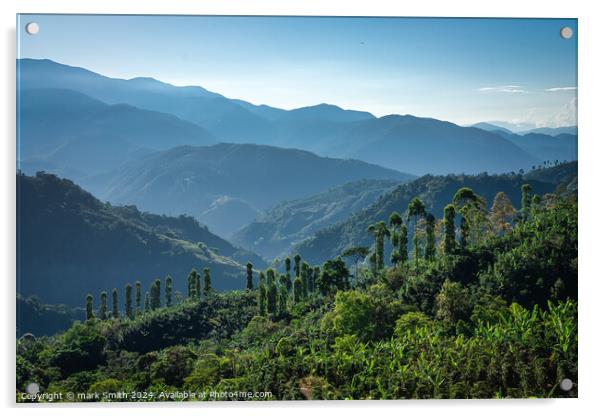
504	88
557	89
568	115
559	116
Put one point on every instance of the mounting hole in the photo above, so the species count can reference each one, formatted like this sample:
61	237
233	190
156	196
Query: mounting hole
566	32
33	388
32	28
566	384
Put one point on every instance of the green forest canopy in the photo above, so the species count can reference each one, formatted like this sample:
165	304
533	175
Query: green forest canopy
482	308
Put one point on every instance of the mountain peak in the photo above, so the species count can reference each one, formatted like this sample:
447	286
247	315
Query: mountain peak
328	112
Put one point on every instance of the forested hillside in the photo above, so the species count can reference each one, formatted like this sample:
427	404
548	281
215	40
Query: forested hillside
564	174
70	243
44	319
275	232
435	191
481	305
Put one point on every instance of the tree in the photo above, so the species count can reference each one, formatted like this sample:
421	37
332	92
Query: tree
207	289
449	224
155	294
380	232
272	297
197	286
356	254
192	284
297	265
535	204
430	247
262	299
115	309
323	282
282	298
287	265
416	209
297	289
354	314
271	276
102	313
89	307
138	297
525	201
249	276
282	280
168	291
464	232
305	278
471	207
335	276
502	214
147	305
311	283
316	277
453	302
395	222
403	244
129	312
372	258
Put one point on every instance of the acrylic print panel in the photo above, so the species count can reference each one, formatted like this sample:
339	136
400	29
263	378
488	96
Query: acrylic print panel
292	208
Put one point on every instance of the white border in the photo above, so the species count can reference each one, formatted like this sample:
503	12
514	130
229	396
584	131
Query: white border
590	139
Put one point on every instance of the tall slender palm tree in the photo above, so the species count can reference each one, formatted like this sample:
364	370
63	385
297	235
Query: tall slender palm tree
416	209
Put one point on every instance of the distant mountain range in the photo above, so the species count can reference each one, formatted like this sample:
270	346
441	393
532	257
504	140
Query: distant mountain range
436	192
553	131
76	135
70	243
404	143
226	185
145	142
424	145
492	128
524	128
275	232
547	144
561	148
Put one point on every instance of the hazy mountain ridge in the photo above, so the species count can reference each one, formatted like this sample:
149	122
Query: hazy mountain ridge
424	145
405	143
561	148
190	179
552	131
68	131
73	243
289	222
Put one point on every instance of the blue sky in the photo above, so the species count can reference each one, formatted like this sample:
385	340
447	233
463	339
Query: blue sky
461	70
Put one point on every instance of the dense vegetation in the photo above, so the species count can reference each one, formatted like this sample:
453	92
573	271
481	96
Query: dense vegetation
435	192
71	243
481	304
